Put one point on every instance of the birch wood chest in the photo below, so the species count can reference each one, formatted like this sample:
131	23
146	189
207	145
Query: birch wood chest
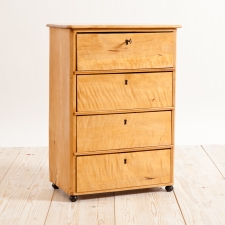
112	104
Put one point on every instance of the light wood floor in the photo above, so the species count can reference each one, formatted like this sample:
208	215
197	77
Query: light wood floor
26	195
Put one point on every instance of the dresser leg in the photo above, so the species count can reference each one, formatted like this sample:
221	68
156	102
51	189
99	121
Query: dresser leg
54	186
169	188
73	198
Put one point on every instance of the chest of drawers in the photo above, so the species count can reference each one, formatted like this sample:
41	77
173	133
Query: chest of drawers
112	103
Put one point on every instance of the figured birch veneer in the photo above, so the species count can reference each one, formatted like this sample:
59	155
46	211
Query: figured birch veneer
116	131
108	171
112	103
124	91
110	51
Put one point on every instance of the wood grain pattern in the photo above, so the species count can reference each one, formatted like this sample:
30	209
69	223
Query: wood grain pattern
73	89
150	206
109	51
94	210
123	91
60	152
199	187
201	206
112	171
25	192
7	157
217	155
174	90
193	165
118	131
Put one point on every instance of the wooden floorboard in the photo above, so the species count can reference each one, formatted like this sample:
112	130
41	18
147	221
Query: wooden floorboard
151	206
217	155
199	187
25	192
7	156
26	195
92	209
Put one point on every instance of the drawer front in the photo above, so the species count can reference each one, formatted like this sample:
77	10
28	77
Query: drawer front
110	51
113	171
116	131
124	91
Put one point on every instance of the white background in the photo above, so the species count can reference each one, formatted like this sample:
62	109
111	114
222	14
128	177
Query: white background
24	48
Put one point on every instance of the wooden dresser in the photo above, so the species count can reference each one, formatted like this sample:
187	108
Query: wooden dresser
112	104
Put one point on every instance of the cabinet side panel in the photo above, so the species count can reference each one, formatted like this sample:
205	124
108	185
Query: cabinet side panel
59	109
173	112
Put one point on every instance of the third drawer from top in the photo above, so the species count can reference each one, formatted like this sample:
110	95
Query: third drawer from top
118	131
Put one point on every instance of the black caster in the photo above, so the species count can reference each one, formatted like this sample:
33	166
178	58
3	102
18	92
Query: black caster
169	188
54	186
73	198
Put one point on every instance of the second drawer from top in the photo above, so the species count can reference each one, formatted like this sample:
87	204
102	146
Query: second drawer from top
124	91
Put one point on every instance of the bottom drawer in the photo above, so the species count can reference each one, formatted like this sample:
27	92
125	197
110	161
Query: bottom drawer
123	170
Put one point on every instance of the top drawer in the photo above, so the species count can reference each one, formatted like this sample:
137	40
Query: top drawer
108	51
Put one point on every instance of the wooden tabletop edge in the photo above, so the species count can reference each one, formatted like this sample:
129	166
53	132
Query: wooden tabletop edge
155	26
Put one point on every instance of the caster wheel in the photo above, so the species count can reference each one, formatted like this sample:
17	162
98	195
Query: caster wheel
54	186
73	198
169	188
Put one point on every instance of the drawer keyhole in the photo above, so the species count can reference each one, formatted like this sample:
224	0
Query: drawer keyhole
126	82
127	41
125	122
125	161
